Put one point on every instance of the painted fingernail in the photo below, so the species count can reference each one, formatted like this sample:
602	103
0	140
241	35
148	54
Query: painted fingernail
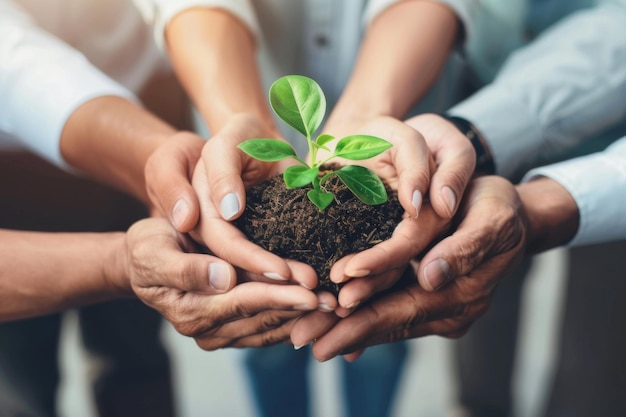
449	197
219	276
417	202
437	273
229	206
274	276
180	212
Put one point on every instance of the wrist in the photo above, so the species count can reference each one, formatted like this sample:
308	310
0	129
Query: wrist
117	265
484	160
552	212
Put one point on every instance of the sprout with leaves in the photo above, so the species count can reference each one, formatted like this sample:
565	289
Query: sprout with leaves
299	101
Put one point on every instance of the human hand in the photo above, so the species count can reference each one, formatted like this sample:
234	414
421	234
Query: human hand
168	174
467	266
198	294
454	161
221	179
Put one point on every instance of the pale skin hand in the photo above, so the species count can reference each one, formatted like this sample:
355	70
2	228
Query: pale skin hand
454	159
490	239
199	293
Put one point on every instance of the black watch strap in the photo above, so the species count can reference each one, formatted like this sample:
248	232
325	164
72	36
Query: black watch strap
484	161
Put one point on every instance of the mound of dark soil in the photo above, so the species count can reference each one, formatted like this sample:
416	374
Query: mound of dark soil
285	222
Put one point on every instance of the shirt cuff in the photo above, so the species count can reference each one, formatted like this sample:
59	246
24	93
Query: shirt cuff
159	13
598	185
513	141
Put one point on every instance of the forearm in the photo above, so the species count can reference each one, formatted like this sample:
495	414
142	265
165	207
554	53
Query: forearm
214	56
41	273
552	212
402	53
111	138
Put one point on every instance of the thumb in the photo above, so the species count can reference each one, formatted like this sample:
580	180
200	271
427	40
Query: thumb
168	172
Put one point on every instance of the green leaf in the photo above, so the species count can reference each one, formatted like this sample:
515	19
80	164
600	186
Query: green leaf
320	198
298	176
364	183
359	147
324	139
299	101
267	150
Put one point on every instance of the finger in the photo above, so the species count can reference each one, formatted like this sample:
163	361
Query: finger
410	238
263	338
413	162
225	165
491	227
352	357
327	302
396	316
358	291
158	260
249	299
455	160
311	326
168	172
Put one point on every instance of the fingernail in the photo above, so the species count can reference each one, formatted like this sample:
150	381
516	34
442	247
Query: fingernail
274	275
219	276
417	202
449	197
325	307
180	212
229	206
437	273
298	347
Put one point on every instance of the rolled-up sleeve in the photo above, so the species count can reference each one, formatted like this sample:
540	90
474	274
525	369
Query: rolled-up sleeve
159	13
597	182
552	94
465	10
42	82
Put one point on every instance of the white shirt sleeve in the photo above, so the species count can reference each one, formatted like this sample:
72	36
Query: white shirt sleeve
465	10
159	13
597	182
42	82
552	94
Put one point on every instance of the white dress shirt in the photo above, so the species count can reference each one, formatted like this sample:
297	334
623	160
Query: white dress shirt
550	95
57	55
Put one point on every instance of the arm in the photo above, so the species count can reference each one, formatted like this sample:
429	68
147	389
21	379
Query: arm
578	202
214	55
550	95
57	104
404	49
41	273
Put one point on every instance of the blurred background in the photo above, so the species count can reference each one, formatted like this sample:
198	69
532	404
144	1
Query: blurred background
213	383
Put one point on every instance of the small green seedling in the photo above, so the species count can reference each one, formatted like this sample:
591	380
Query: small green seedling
299	101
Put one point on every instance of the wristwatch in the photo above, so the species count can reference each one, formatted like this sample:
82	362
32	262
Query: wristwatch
484	161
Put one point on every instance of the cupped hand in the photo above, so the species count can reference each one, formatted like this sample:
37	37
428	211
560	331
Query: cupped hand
168	174
490	240
199	295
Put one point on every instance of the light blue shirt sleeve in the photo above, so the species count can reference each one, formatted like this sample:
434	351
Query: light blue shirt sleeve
42	82
597	182
550	95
